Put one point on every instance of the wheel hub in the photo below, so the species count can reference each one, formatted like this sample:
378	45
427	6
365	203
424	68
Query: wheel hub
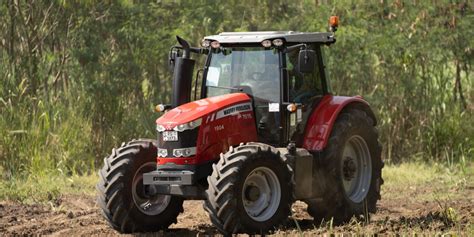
356	168
147	204
261	194
252	193
349	168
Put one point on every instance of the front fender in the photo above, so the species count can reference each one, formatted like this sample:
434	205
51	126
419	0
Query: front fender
323	117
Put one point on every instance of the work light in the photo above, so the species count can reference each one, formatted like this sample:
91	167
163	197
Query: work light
278	42
215	44
266	43
205	43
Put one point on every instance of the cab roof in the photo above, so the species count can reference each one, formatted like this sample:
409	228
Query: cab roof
259	36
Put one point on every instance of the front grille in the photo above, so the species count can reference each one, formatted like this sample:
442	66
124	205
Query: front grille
187	138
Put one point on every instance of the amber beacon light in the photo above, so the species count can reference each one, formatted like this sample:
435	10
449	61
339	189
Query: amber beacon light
333	23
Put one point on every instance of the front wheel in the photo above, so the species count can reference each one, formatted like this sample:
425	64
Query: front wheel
122	197
250	190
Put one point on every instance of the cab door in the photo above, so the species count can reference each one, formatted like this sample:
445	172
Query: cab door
305	90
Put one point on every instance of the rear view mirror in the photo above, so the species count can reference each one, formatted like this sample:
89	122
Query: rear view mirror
306	59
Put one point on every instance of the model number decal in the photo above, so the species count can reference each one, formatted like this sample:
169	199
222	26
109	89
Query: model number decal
246	116
219	127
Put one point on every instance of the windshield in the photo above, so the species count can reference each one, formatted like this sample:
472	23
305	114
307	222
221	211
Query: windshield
255	70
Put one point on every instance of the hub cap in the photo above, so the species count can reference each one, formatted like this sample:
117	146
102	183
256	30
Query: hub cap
356	168
261	194
148	205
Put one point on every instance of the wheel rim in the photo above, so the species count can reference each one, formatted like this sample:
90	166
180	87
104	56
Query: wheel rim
149	205
356	168
261	194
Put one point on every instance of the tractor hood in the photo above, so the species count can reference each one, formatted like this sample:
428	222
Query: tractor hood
197	109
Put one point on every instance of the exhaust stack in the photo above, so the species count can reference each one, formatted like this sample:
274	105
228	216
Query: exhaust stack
182	76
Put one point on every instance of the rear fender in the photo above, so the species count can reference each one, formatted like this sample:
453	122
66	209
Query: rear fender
323	117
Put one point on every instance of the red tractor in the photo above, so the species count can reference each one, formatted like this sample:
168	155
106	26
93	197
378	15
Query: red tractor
260	131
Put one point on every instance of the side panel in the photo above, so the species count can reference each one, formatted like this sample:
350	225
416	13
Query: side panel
321	120
227	127
219	130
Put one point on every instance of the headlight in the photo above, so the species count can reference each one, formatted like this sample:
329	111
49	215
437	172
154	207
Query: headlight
184	152
162	152
160	128
188	126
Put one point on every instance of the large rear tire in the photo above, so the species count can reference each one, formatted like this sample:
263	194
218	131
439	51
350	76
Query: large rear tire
250	190
121	194
351	166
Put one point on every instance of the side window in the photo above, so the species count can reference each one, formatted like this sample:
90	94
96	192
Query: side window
303	87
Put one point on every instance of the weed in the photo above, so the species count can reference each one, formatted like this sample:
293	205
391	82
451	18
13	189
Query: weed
448	214
298	227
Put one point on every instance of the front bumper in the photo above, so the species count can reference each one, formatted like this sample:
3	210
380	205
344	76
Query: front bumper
177	183
164	177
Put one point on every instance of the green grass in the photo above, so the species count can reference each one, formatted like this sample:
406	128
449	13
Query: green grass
416	173
437	178
46	188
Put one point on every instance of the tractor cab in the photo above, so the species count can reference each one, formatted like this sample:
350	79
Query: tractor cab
282	71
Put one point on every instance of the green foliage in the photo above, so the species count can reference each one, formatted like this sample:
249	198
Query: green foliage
80	77
444	184
46	188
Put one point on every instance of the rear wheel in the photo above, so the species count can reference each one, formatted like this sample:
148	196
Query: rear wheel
122	197
352	167
250	190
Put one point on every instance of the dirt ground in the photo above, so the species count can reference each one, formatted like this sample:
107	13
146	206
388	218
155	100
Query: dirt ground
79	215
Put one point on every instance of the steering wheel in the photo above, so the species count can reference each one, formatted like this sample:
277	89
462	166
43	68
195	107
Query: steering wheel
303	97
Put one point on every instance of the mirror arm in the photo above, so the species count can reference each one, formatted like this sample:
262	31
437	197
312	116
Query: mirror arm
199	50
192	49
294	47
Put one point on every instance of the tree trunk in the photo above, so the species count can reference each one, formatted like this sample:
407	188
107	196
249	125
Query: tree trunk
458	86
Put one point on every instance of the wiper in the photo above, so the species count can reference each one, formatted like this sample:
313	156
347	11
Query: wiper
227	88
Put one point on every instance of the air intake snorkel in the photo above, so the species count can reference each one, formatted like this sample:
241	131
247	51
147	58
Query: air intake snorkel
182	75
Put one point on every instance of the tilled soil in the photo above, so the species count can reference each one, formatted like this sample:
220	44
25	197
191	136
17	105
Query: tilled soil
79	215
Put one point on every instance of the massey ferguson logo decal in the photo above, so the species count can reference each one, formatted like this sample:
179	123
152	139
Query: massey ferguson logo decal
233	110
238	108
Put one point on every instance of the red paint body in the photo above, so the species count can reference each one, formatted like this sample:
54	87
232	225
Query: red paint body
216	134
322	119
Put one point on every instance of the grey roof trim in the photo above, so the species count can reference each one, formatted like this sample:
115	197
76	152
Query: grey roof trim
259	36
